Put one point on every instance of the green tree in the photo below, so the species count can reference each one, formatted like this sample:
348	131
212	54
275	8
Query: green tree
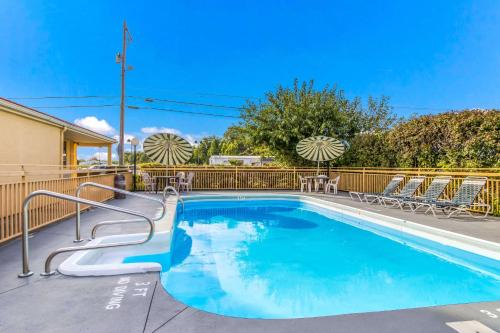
208	146
236	141
289	115
470	138
141	157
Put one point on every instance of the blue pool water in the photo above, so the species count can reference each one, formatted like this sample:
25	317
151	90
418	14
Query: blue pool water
291	259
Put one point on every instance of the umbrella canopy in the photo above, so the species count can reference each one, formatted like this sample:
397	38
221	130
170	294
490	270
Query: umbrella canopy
320	148
168	149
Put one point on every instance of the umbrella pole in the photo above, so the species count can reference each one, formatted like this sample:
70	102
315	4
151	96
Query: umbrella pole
317	170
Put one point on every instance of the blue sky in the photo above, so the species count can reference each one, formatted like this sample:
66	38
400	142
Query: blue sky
426	56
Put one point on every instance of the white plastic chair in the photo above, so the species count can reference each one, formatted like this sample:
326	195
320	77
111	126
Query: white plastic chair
149	184
187	183
332	183
303	183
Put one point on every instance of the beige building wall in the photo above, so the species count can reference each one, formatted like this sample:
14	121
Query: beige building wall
27	141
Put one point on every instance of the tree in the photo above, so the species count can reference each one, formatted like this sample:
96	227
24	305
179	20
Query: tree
141	157
289	115
236	141
470	138
207	147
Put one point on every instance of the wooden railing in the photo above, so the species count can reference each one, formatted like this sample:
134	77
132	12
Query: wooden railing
351	179
45	210
11	173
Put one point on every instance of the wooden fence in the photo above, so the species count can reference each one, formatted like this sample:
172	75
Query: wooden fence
351	179
44	210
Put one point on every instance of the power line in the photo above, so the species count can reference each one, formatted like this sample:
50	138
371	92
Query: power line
63	97
146	99
183	111
151	99
75	106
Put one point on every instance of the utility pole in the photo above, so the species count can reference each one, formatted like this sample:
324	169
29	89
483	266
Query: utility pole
122	58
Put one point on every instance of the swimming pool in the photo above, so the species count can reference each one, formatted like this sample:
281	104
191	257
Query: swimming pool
285	258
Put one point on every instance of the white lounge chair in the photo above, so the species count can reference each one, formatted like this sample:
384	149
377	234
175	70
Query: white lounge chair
406	193
377	197
463	200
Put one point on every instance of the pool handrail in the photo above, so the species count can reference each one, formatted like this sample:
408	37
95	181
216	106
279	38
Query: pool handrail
25	232
114	189
173	189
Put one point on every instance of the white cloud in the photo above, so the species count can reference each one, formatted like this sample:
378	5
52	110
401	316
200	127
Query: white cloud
103	156
126	137
154	129
96	125
191	138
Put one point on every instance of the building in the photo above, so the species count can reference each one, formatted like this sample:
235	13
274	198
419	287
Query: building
239	160
30	137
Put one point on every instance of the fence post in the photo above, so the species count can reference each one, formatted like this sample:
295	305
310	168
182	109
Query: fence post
363	186
236	178
294	179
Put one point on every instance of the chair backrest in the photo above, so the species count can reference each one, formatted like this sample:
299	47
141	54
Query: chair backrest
469	190
301	179
393	185
337	179
146	178
190	177
181	175
436	188
411	186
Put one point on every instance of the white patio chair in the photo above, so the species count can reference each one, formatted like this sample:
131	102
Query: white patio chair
303	183
318	183
149	184
332	183
187	183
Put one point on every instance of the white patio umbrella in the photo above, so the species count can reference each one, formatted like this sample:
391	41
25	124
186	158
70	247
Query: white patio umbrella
320	148
168	149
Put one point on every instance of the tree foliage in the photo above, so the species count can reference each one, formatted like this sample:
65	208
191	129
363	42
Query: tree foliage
469	138
465	139
289	115
208	146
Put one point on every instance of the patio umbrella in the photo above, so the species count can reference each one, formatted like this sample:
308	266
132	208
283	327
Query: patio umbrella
320	148
168	149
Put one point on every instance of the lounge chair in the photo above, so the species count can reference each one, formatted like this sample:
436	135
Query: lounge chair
431	195
406	193
389	190
463	200
332	183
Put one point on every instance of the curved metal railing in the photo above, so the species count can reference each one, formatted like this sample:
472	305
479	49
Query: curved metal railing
171	188
104	223
25	242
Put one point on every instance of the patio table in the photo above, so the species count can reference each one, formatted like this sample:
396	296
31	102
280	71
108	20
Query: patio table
170	180
310	180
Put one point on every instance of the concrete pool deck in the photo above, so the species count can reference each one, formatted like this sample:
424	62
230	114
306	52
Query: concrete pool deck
138	302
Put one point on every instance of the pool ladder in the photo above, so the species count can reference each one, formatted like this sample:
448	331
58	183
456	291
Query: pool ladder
172	189
76	199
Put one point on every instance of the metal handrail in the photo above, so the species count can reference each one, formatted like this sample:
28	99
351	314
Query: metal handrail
165	191
25	245
114	189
